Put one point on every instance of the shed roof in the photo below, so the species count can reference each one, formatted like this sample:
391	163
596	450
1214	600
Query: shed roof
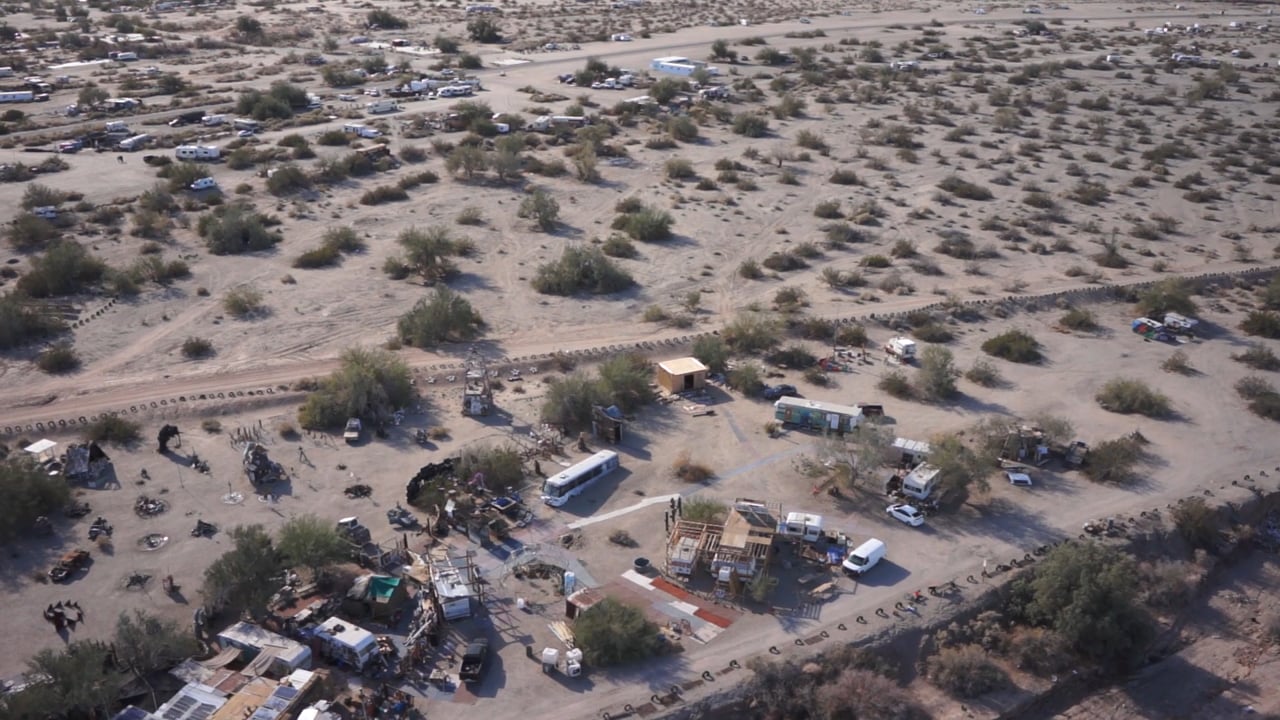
683	366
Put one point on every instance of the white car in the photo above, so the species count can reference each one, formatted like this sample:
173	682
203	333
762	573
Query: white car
906	514
245	133
1020	479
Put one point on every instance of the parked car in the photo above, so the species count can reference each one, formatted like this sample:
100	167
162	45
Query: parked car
906	514
245	134
773	392
1020	479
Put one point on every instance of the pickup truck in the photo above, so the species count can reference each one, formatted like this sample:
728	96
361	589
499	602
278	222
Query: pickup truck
473	660
353	431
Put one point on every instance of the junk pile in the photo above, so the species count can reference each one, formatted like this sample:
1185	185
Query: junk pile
149	507
85	462
430	473
259	468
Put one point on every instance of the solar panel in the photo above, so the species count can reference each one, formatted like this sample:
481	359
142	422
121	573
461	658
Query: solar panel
286	692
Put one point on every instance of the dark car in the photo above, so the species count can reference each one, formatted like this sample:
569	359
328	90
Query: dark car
773	392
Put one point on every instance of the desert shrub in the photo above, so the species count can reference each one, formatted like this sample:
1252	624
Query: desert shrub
1168	584
875	261
1263	323
983	372
680	169
369	384
242	301
752	125
287	178
618	246
383	194
933	332
114	429
789	299
938	373
895	383
646	224
236	228
1078	319
66	268
828	209
686	469
1040	651
1197	523
194	348
499	463
1258	357
839	234
27	232
784	261
1168	295
844	176
542	208
1178	362
704	510
750	270
30	491
793	356
581	269
1013	345
1113	460
443	316
1087	192
59	358
851	336
611	633
750	333
965	672
966	189
23	320
1130	397
747	378
1261	395
319	257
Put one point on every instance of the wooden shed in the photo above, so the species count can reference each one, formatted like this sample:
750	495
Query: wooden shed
682	375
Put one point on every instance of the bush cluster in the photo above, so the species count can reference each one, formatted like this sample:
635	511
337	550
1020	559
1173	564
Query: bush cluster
1013	345
581	269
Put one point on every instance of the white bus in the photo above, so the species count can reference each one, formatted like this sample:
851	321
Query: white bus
557	489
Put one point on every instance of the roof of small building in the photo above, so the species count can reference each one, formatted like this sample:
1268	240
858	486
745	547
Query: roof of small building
683	366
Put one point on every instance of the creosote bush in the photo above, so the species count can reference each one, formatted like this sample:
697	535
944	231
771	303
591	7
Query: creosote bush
1133	397
581	269
1013	345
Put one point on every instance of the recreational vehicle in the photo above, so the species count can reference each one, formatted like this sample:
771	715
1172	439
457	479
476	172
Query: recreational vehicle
814	415
902	348
361	130
197	152
920	482
289	655
382	106
135	143
805	526
17	96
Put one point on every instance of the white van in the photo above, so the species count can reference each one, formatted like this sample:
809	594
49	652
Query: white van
204	183
864	557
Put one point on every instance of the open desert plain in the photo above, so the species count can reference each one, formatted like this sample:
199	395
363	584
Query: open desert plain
1016	267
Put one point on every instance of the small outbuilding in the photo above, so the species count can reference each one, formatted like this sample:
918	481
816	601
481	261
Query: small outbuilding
682	375
376	596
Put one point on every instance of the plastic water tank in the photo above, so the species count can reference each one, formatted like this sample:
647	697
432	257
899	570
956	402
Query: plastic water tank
569	580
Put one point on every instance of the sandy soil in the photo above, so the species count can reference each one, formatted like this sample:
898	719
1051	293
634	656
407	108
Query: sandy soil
130	352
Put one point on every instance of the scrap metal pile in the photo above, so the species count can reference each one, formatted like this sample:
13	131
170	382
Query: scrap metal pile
259	468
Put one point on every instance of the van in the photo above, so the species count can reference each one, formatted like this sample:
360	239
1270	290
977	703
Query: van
204	183
864	557
117	127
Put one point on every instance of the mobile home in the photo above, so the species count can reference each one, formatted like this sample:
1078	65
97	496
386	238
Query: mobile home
805	526
346	642
920	482
382	106
675	65
135	143
814	415
197	152
17	96
289	655
361	130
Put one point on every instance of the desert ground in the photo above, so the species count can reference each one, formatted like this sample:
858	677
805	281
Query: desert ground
1079	173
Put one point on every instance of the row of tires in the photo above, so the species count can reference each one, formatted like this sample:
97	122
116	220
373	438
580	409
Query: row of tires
62	423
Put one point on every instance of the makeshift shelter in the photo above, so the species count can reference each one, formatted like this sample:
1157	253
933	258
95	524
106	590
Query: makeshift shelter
282	654
44	450
376	596
606	423
682	375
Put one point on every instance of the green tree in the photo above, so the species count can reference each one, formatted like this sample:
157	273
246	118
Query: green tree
720	50
91	96
960	468
441	317
665	90
938	373
484	30
427	251
370	384
23	320
28	493
313	543
585	163
1087	593
611	633
712	351
1168	295
467	159
75	678
542	208
569	400
242	579
145	644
